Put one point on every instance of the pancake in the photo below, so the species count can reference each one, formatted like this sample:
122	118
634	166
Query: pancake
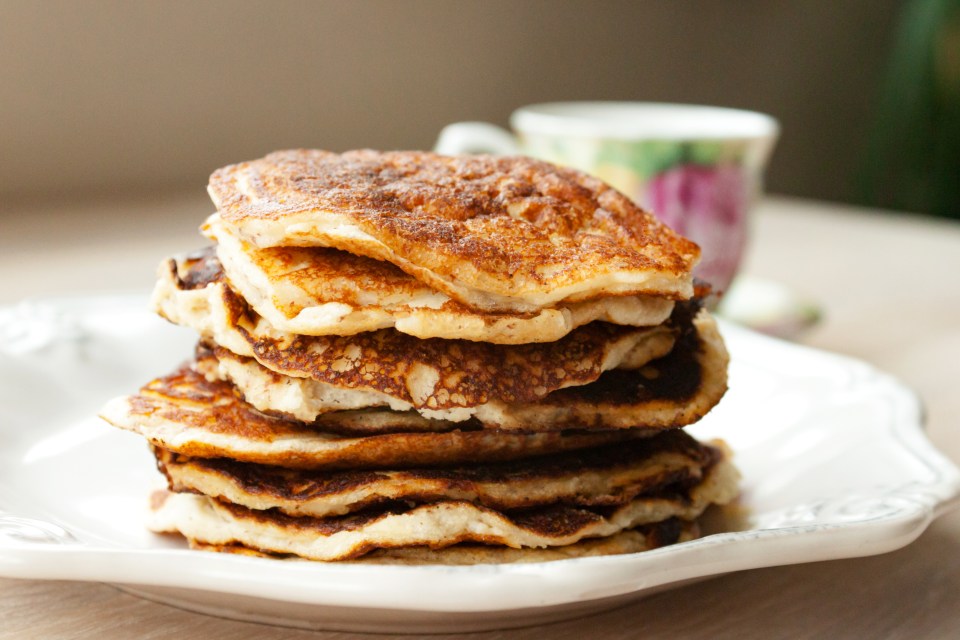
412	358
663	393
324	291
643	538
435	525
600	476
671	392
442	379
187	414
507	234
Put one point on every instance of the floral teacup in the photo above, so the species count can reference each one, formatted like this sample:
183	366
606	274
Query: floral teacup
697	168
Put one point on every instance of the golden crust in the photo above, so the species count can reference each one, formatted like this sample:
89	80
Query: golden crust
440	374
642	538
430	375
600	476
434	524
672	391
185	413
494	233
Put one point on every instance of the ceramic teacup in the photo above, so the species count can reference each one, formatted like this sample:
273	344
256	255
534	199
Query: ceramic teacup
698	168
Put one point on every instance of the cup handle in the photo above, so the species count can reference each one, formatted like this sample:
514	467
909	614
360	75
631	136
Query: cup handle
476	137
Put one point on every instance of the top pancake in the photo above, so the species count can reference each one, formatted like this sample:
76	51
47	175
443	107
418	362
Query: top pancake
496	234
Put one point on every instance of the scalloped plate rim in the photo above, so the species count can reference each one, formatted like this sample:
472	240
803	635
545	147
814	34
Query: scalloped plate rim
634	574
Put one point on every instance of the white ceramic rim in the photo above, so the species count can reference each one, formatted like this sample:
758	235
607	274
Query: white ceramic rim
642	121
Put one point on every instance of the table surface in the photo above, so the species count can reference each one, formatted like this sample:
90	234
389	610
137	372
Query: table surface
889	288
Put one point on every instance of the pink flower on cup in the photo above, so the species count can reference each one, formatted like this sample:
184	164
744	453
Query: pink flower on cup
707	204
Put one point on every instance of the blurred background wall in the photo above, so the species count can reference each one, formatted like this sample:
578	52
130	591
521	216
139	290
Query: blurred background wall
113	97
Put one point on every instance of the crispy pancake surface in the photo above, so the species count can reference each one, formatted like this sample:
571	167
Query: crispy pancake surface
600	476
187	414
324	291
642	538
661	392
671	392
435	525
443	379
504	234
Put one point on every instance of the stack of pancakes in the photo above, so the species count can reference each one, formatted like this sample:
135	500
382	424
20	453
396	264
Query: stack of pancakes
418	358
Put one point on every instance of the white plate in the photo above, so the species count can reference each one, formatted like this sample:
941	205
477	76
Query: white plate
834	460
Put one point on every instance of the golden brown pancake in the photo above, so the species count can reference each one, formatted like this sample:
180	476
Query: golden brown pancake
324	291
187	414
642	538
602	476
664	393
494	233
435	525
674	391
443	379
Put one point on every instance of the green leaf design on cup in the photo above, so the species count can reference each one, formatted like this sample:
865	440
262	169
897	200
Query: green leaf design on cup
645	158
705	152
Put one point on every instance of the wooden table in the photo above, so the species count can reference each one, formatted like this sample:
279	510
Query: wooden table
890	288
